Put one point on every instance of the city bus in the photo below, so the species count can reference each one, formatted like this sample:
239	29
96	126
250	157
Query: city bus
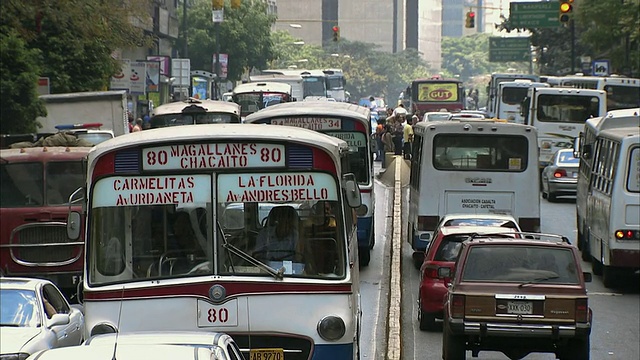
314	81
195	111
511	94
559	115
622	92
254	96
348	122
608	193
36	183
471	166
174	220
494	85
436	93
335	84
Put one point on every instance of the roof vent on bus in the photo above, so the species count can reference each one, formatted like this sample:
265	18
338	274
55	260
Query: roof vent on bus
194	109
192	100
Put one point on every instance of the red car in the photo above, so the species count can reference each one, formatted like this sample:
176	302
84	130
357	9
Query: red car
443	252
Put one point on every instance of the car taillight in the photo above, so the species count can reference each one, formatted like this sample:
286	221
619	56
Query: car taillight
430	271
582	310
457	306
627	234
426	223
559	173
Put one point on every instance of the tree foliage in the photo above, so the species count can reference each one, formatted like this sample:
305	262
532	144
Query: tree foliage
244	35
367	70
69	41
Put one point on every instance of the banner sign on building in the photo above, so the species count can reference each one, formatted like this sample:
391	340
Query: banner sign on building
165	63
138	78
153	76
120	81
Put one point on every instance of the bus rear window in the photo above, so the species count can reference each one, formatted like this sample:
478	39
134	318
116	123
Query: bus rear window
480	152
190	119
568	109
513	95
22	185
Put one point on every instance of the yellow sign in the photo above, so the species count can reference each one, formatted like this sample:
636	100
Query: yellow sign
437	92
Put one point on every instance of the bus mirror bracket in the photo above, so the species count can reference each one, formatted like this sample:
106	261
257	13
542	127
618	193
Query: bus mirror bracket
586	151
576	146
73	225
352	192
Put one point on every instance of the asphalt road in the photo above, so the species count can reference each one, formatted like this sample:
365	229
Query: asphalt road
616	328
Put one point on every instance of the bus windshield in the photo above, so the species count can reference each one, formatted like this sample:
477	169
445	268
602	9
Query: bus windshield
567	108
314	86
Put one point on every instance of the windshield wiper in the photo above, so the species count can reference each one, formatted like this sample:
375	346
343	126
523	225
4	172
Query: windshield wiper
536	280
278	274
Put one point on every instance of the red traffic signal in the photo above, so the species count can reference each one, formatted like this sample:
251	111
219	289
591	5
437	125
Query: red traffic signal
470	21
336	33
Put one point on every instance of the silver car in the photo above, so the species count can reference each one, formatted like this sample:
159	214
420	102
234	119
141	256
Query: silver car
560	177
127	352
34	315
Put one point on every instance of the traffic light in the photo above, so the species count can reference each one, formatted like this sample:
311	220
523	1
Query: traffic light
471	20
217	4
236	4
336	33
566	8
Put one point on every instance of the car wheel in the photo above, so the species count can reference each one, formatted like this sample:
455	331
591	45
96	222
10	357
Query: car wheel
417	261
364	255
576	349
544	194
427	320
596	266
453	347
552	197
608	276
583	241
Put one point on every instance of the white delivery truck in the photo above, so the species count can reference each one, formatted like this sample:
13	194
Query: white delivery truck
95	115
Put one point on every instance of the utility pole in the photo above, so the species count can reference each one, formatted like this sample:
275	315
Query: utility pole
217	79
184	28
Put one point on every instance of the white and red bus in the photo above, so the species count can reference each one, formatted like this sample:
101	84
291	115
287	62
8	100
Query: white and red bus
437	93
174	221
350	123
36	184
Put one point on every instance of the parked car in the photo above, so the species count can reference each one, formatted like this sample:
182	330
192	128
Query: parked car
34	315
128	352
560	177
222	344
517	296
441	252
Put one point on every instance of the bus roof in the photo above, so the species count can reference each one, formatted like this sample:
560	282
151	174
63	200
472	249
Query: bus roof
262	86
617	80
570	91
224	132
525	84
615	119
459	125
275	77
210	106
312	107
621	133
436	80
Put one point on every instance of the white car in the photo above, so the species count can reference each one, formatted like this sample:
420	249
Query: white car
127	352
499	220
34	315
222	345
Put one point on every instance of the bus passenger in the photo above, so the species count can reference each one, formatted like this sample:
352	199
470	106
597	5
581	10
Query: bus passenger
278	240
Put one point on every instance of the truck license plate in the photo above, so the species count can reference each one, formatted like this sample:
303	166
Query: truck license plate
266	354
520	307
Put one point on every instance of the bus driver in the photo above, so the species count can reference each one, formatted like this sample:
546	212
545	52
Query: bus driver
278	240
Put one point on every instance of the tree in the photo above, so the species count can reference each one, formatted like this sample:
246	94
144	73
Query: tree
19	72
244	36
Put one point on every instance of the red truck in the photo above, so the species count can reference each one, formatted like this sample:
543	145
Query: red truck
35	184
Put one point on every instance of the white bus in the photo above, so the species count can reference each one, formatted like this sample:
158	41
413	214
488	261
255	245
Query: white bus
559	115
608	194
195	111
471	166
345	121
225	227
622	92
511	94
314	81
492	87
254	96
335	84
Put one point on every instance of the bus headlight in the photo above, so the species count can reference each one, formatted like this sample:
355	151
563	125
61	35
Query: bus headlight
362	210
103	328
331	328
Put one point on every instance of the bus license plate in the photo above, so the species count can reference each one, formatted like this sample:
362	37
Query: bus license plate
218	315
266	354
520	307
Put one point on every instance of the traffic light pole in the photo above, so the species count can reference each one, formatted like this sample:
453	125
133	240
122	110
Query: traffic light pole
573	47
216	83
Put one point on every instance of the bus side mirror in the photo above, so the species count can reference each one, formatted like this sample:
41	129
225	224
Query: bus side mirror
576	146
74	225
351	190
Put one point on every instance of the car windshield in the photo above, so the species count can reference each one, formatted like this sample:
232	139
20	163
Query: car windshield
512	263
18	308
481	222
566	157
